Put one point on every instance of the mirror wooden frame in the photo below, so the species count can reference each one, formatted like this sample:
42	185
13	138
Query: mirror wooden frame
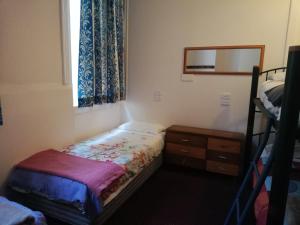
261	61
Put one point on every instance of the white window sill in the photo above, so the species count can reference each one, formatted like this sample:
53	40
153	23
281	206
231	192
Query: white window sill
94	108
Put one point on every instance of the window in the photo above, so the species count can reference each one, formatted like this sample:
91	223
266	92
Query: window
95	50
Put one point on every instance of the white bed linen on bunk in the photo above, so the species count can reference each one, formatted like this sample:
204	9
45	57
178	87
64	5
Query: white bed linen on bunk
266	86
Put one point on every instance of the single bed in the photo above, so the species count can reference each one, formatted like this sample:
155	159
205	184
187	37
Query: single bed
14	213
134	146
267	99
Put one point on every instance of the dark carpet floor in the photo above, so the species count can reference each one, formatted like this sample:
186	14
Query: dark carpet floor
177	196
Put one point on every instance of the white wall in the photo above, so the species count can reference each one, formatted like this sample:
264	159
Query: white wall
37	108
89	122
159	31
293	37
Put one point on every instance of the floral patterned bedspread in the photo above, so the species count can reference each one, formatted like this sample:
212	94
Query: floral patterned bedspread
131	150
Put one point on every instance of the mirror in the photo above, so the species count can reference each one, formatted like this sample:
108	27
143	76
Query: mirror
231	60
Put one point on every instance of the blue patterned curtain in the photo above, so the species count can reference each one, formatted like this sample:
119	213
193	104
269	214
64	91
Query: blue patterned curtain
101	70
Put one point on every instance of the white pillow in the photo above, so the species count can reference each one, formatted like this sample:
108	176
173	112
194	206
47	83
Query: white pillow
277	76
142	127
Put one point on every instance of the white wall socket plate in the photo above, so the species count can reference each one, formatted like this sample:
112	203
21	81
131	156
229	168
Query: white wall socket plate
156	96
225	99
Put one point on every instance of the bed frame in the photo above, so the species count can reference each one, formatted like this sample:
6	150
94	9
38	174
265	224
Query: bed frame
71	215
286	130
255	103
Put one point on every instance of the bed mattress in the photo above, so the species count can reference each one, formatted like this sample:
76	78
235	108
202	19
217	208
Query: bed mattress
130	149
270	94
71	215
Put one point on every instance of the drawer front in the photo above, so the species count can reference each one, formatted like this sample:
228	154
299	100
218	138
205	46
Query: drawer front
185	150
224	145
223	157
195	163
223	168
185	161
174	159
187	139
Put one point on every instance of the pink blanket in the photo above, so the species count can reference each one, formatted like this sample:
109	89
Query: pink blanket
95	174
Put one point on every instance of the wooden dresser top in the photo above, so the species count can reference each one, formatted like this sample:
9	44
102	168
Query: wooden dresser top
206	132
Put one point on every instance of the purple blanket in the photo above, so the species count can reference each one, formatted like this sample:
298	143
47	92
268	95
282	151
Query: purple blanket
95	174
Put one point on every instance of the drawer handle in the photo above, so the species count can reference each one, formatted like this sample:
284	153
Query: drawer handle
186	140
222	157
184	150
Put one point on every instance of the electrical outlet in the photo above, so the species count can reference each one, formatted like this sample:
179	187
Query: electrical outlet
156	96
225	99
187	77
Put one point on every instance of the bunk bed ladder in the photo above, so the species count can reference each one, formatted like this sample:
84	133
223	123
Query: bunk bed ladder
242	212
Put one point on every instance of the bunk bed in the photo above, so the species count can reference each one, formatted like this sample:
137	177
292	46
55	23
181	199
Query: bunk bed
284	122
135	146
268	103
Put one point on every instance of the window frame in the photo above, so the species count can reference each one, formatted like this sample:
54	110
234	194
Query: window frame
66	42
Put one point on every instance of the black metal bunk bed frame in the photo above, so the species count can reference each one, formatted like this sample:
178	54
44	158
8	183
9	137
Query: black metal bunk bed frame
255	102
280	160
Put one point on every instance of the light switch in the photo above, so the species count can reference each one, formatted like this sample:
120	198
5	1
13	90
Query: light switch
187	77
225	99
156	96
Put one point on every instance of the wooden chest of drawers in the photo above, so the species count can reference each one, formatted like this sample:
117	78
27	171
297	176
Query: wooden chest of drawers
211	150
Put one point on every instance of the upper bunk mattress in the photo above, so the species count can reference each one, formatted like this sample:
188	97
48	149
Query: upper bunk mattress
271	94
